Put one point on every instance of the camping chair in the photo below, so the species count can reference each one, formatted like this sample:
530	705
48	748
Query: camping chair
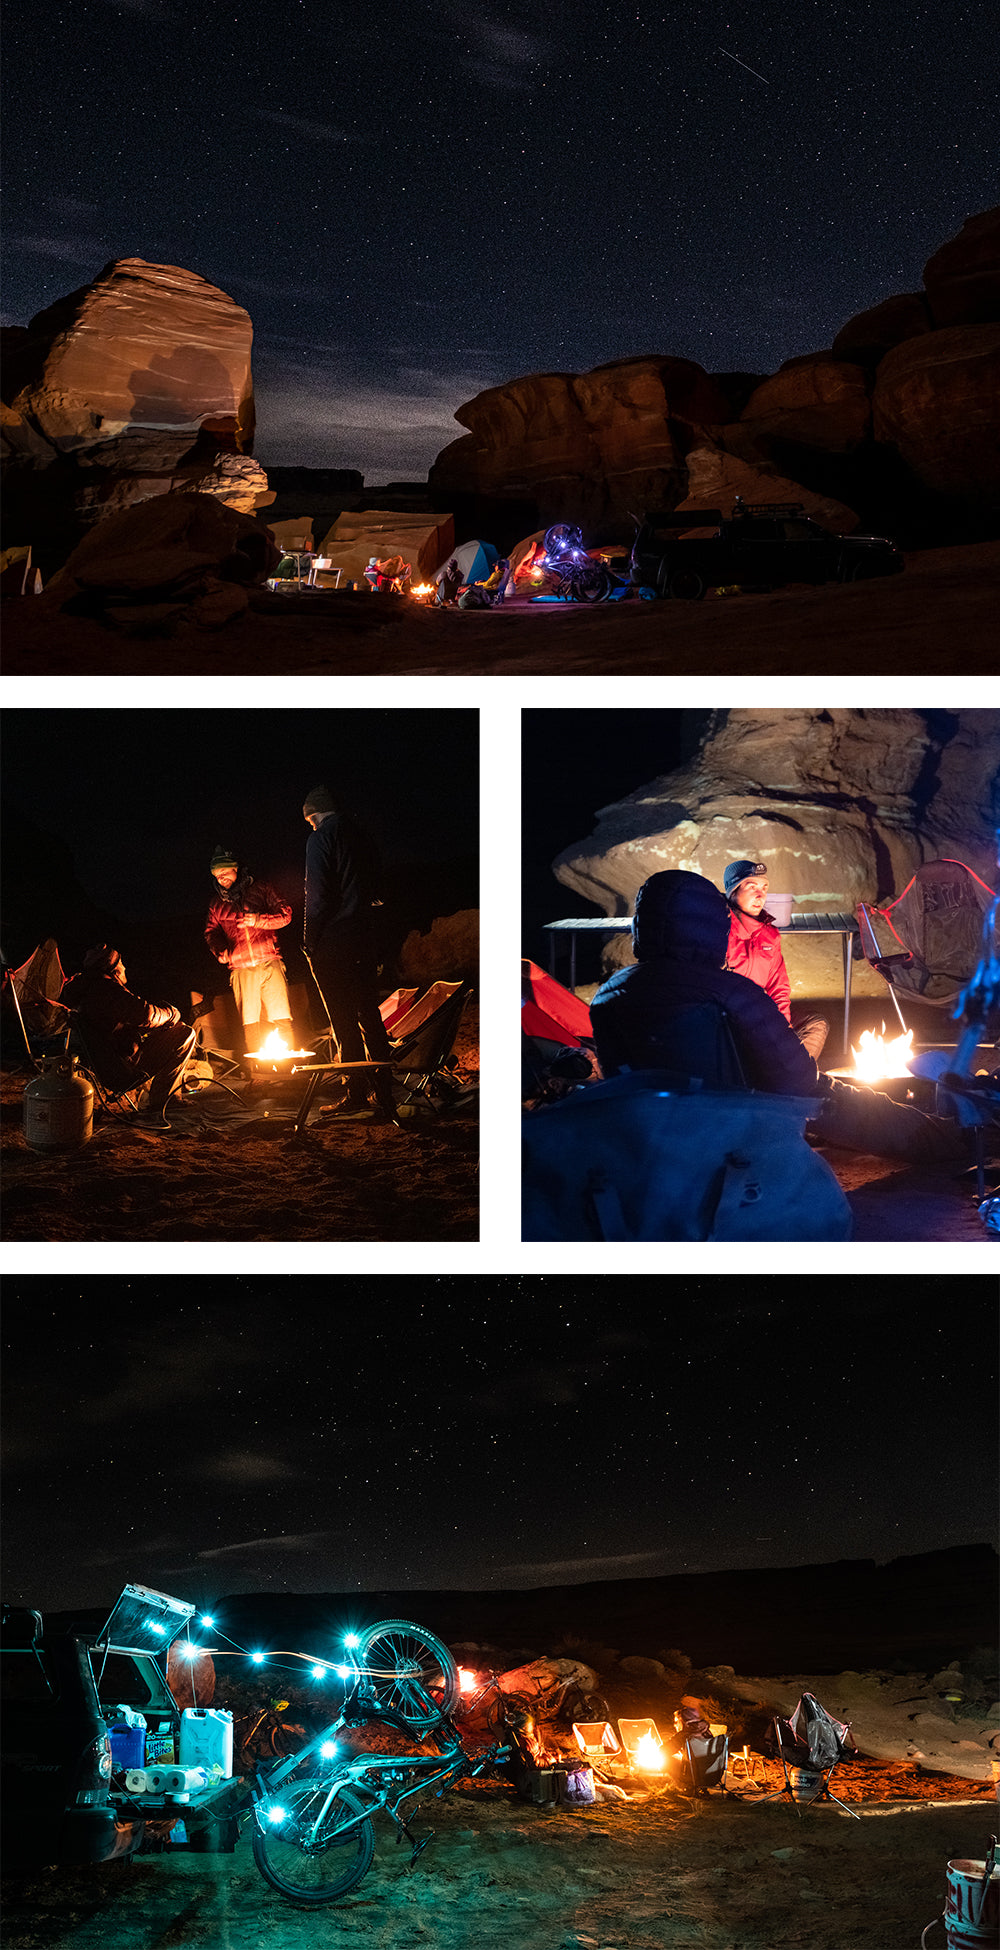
695	1049
557	1045
937	926
706	1758
422	1042
117	1087
810	1746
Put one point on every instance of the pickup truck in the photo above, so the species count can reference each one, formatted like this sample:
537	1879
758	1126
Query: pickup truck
762	547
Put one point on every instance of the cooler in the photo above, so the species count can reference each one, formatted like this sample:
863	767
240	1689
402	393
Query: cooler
207	1738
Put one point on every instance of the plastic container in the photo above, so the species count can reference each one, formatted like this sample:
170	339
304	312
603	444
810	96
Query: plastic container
128	1746
207	1739
779	906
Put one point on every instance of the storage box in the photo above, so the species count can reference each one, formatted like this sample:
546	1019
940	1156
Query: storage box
207	1739
128	1746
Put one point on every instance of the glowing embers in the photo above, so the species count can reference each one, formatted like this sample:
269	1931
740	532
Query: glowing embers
878	1057
643	1744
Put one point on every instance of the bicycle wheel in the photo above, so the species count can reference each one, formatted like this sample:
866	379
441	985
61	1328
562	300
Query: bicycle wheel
408	1672
314	1872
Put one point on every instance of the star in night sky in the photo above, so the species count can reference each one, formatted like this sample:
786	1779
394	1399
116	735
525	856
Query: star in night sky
310	1435
421	200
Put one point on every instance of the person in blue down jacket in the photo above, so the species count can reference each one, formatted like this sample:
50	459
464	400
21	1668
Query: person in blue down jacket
680	937
340	947
239	931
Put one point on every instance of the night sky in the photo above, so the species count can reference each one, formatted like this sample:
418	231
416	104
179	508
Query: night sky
418	200
133	803
309	1435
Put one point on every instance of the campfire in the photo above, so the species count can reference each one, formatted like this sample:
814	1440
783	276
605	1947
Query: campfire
878	1058
422	591
275	1051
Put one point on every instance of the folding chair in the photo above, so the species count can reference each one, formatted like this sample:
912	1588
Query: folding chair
117	1087
937	926
705	1760
810	1746
422	1041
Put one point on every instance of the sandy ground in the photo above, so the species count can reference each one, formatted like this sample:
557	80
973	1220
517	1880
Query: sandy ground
223	1174
663	1874
939	617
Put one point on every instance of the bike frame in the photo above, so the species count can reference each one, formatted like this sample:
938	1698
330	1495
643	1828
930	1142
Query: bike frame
372	1777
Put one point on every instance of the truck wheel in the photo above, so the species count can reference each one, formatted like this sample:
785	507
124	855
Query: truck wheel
686	585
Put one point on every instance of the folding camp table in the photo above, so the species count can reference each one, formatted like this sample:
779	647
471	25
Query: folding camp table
844	924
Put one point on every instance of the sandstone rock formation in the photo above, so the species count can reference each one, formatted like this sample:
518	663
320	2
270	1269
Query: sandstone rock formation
135	386
841	805
425	541
182	560
145	345
448	950
641	433
817	401
723	465
585	448
937	401
962	279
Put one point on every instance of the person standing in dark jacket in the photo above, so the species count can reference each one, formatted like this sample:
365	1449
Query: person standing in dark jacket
239	931
339	943
680	936
129	1039
755	949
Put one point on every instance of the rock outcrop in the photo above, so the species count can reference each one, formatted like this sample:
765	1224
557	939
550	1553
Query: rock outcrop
180	561
135	386
425	541
937	401
447	951
898	423
588	447
841	805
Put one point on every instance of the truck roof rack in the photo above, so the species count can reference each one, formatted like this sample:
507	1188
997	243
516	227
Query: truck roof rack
778	510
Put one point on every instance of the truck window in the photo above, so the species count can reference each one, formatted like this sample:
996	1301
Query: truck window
121	1683
24	1676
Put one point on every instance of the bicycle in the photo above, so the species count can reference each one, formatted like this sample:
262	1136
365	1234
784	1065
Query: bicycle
314	1837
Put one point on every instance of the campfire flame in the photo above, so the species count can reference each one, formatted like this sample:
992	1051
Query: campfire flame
466	1680
422	589
274	1049
648	1755
878	1058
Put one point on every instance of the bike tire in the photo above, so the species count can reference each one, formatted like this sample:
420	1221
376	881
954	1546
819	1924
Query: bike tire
317	1875
409	1672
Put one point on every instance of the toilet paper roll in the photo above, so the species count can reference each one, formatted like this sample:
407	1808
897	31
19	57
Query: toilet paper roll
175	1780
135	1780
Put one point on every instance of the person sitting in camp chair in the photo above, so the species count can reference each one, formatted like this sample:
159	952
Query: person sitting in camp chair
128	1040
641	1021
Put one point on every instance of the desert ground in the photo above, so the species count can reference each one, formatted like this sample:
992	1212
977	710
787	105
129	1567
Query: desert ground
662	1874
938	618
226	1172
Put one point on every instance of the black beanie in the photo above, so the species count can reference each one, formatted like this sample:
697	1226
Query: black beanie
319	799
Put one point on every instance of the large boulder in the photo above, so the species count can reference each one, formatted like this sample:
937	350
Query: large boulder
180	560
587	447
423	540
447	951
818	402
145	345
724	464
841	805
868	336
937	401
962	279
133	387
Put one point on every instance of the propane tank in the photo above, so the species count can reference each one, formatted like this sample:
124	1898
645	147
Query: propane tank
58	1107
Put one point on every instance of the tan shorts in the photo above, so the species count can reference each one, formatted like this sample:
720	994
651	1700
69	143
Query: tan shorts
261	993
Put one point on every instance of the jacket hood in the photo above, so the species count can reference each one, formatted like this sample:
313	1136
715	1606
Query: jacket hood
680	916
